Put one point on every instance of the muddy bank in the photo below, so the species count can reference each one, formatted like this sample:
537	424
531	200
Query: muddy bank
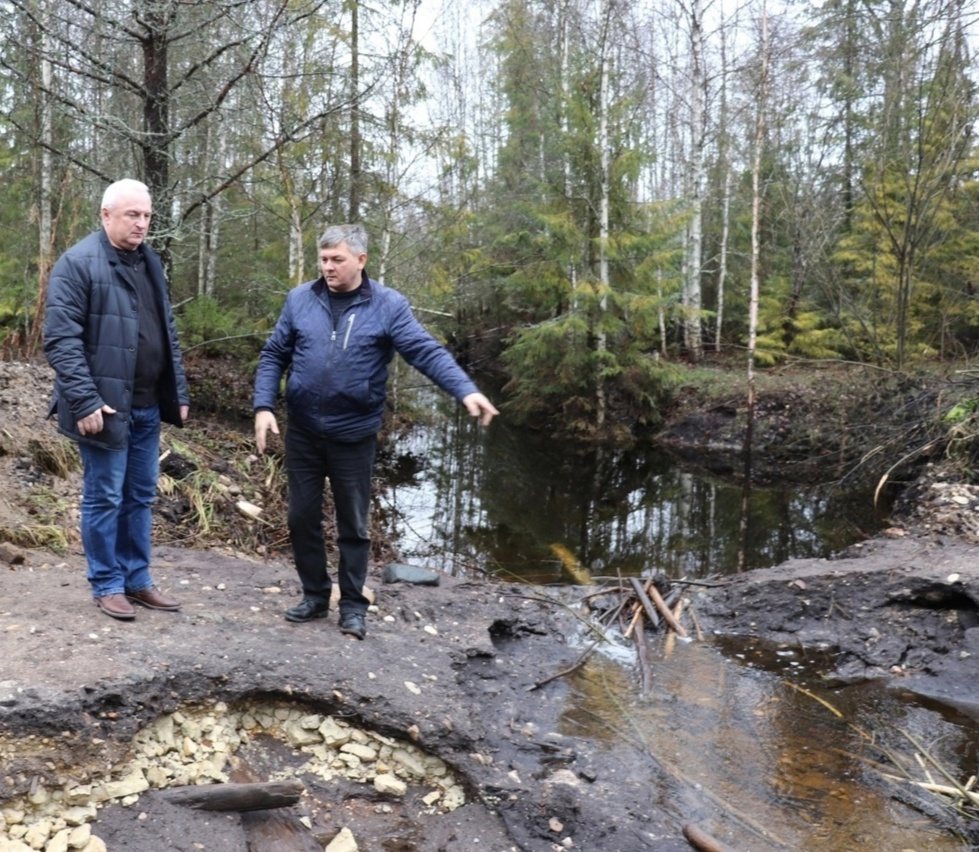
447	668
903	610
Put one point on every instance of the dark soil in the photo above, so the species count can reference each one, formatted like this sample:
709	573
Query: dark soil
75	685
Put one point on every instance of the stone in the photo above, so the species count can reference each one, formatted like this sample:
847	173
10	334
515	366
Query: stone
96	844
397	572
311	722
564	776
133	783
410	762
38	796
11	554
58	843
37	835
12	816
10	845
80	836
343	842
454	798
390	784
79	815
299	736
333	734
365	753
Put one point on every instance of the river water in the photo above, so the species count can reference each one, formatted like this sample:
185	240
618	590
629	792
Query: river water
763	756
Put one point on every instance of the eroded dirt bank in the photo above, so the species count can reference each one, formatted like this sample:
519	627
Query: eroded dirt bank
446	668
903	609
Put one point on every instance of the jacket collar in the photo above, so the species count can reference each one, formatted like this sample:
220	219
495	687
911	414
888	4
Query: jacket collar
111	250
365	291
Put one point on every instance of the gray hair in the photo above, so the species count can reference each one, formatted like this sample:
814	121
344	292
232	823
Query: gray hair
122	187
355	236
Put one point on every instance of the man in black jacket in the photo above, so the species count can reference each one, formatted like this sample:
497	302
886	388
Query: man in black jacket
110	336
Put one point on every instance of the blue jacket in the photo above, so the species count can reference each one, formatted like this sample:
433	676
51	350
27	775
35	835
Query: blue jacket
338	366
91	331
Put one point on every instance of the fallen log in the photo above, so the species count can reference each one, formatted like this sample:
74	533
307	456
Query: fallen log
236	797
701	840
270	830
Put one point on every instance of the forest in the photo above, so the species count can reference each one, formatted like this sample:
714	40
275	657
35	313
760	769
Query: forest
585	197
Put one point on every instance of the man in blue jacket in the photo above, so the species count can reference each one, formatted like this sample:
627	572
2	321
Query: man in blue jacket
336	336
110	336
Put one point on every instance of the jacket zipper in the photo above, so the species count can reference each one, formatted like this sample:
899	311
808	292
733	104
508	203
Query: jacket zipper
350	325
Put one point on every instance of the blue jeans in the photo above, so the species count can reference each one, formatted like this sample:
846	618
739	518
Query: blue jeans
118	493
310	460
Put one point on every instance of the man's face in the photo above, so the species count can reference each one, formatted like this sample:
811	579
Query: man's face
128	220
341	268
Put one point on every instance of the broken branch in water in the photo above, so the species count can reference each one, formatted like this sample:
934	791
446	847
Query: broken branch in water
570	670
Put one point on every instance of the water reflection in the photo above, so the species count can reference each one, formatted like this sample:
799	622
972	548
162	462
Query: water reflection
755	762
502	500
760	765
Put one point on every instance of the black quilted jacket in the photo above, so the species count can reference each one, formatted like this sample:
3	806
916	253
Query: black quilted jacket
91	331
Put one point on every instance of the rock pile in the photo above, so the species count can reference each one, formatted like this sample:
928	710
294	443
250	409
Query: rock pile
196	746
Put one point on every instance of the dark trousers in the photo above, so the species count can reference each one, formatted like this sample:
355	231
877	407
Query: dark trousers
311	459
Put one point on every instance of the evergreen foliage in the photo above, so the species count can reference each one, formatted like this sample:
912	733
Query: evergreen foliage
491	155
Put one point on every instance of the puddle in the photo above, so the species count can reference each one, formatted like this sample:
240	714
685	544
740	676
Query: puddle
762	765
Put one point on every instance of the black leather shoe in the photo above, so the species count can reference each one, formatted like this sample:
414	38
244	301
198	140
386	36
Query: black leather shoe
353	624
307	610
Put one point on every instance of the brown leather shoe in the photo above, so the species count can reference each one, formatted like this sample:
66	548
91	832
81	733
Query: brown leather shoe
117	606
153	598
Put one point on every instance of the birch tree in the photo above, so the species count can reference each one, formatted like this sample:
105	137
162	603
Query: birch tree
695	179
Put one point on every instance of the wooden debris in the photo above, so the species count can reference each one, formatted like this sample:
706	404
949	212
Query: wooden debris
248	510
701	840
236	797
665	611
271	829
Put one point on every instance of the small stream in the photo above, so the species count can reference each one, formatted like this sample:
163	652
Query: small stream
759	761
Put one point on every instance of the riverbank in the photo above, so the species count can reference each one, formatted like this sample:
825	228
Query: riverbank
446	670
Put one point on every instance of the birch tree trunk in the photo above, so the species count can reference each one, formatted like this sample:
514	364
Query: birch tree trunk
722	255
564	125
724	158
692	298
210	224
392	172
601	344
756	192
45	201
355	140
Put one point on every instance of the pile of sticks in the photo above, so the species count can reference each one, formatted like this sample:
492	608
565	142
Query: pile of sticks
653	603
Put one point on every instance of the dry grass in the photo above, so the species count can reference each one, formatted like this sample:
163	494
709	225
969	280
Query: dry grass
48	536
54	454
